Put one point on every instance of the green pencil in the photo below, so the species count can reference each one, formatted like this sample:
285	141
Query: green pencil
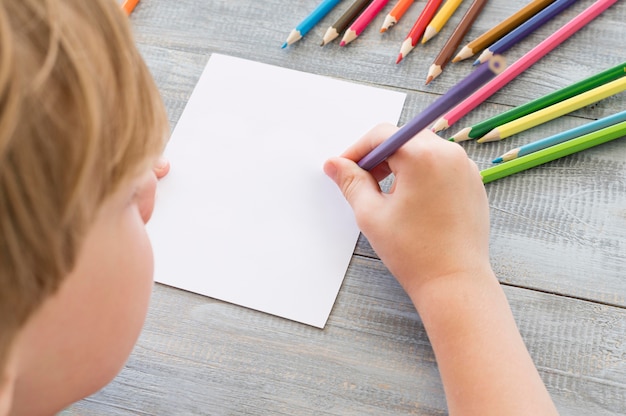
485	126
554	152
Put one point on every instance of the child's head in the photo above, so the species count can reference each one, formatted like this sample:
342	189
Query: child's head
81	122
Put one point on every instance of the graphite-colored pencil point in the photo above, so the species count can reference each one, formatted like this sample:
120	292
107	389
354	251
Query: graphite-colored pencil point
348	37
329	36
439	125
461	135
429	33
492	136
389	21
463	54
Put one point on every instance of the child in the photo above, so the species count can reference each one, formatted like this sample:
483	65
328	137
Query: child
81	125
432	232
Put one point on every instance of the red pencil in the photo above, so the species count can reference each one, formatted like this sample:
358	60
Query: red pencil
418	28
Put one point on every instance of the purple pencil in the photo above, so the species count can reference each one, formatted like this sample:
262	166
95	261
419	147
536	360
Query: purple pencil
452	97
524	30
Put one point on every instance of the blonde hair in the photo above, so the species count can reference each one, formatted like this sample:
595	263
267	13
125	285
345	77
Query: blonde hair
79	114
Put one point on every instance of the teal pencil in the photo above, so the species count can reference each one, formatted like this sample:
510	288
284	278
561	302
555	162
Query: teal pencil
561	137
480	129
554	152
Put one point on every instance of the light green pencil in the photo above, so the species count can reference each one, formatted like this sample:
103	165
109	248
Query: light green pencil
554	152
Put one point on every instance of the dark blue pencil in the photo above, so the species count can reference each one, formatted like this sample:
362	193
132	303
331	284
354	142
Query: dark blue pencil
525	29
452	97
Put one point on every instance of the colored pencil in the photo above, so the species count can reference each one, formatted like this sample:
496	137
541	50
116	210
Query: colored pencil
522	64
462	89
418	28
561	137
345	20
480	129
440	19
129	5
556	110
554	152
395	14
361	22
524	29
311	20
454	40
501	29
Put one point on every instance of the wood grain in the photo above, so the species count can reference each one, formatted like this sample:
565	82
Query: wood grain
558	241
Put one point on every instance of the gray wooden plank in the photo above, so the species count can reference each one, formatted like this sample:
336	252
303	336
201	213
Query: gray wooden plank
205	357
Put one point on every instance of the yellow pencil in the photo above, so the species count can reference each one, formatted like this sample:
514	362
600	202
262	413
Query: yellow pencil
440	19
556	110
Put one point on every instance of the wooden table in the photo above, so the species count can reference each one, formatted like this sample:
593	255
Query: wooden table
558	239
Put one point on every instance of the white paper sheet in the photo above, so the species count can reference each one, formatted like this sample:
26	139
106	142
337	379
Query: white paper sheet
246	214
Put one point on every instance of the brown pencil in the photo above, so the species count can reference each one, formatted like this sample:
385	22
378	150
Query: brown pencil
345	20
455	40
501	29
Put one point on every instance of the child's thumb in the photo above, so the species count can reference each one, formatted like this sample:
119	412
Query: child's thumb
356	184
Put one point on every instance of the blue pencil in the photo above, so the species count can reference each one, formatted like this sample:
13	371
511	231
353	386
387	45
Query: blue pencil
525	29
561	137
452	97
311	20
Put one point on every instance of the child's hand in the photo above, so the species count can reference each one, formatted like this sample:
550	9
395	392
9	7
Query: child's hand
434	221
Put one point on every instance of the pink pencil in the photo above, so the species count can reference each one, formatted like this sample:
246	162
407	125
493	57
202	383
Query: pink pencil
362	21
521	64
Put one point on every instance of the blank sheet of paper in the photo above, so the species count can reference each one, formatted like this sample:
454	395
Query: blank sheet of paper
246	214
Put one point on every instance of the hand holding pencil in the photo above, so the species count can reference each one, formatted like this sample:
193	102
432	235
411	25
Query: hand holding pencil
459	91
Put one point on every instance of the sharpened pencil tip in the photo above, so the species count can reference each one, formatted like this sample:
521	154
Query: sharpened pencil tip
476	62
399	58
284	45
430	78
497	160
342	43
456	58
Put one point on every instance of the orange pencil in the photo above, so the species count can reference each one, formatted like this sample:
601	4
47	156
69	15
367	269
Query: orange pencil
129	5
395	14
418	28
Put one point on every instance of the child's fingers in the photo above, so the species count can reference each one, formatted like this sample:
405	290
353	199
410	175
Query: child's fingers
367	143
360	189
